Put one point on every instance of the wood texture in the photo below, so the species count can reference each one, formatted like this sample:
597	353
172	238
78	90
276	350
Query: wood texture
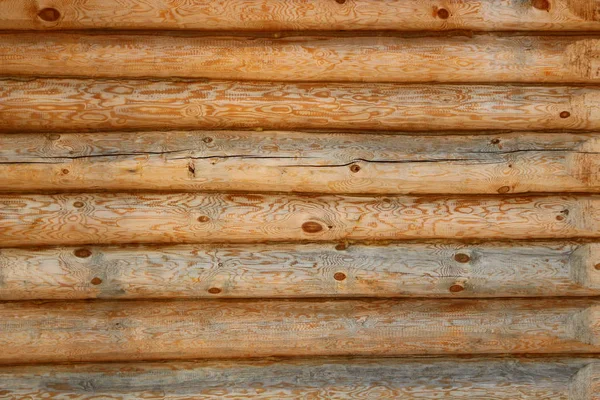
301	270
418	15
158	330
75	105
33	220
479	163
383	378
482	58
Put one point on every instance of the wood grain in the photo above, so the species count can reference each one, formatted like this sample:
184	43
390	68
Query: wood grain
301	270
72	219
479	163
568	15
75	105
342	378
42	332
482	58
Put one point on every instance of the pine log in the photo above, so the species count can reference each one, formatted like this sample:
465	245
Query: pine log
115	218
482	58
573	378
41	332
408	15
301	270
69	104
479	163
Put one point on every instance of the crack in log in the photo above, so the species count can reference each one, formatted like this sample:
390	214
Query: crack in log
57	160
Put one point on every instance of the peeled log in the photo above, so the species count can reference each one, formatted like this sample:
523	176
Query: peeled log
419	15
482	58
111	218
301	270
521	162
340	378
74	105
185	329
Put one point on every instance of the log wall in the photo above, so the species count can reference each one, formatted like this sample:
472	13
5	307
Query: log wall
300	199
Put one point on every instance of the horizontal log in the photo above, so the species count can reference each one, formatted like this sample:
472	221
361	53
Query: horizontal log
75	105
36	332
483	58
301	270
417	15
339	378
73	219
301	162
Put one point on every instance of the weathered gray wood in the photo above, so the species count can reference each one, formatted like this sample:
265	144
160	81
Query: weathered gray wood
519	162
385	378
301	270
61	331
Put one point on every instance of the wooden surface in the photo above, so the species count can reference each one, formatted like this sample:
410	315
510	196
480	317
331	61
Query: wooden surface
521	162
301	270
567	15
481	58
74	105
72	219
384	378
40	332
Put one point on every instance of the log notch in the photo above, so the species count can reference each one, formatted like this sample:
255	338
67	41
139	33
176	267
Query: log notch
75	105
482	58
34	332
301	270
74	219
385	378
419	15
301	162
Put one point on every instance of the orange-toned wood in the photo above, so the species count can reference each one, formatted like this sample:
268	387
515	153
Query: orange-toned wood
152	330
31	220
483	58
373	378
73	105
418	15
519	162
301	270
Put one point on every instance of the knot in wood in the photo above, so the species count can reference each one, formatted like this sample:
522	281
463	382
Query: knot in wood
82	253
541	4
456	288
312	227
339	276
49	14
341	246
96	281
442	13
462	258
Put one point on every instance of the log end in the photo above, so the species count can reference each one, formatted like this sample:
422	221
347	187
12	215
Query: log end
586	326
585	266
585	385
